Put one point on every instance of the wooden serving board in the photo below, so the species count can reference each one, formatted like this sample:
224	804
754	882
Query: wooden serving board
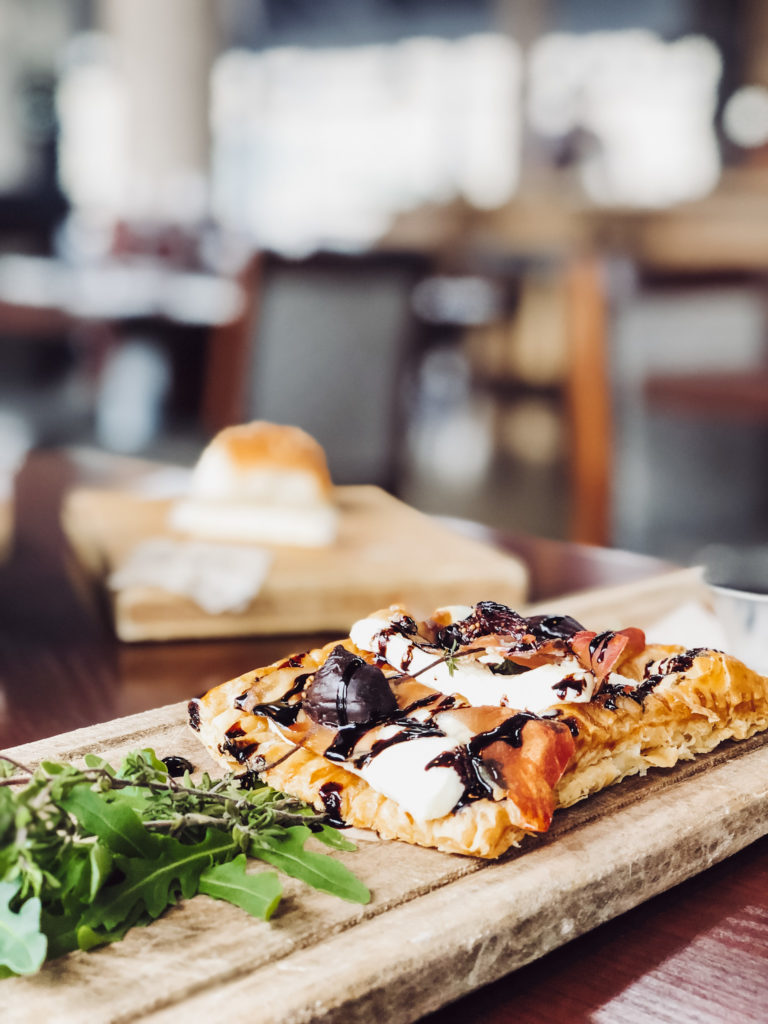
438	926
386	553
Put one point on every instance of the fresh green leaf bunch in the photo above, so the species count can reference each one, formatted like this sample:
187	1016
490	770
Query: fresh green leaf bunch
87	853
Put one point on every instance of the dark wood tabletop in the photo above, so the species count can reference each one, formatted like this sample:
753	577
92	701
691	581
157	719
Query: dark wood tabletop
696	953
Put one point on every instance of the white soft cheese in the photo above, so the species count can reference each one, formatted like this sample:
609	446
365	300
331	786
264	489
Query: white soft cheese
400	651
400	772
534	690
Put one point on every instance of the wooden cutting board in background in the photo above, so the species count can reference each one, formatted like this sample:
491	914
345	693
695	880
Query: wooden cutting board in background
386	553
438	925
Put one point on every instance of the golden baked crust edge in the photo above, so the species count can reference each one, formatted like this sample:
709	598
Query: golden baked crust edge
691	711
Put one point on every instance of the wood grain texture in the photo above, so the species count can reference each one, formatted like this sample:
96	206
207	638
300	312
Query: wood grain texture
386	553
438	926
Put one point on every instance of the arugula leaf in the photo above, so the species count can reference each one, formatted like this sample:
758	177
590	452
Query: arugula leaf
22	945
94	761
100	860
154	884
318	870
259	894
61	930
87	853
117	824
334	838
89	938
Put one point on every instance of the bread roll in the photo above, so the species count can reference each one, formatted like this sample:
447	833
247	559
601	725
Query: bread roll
260	482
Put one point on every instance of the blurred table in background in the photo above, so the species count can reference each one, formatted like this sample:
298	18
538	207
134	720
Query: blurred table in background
61	665
698	952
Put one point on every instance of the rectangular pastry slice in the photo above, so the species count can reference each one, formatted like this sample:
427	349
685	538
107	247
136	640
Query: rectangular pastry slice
466	731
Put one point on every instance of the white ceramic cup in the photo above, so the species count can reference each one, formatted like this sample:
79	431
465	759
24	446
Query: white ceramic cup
738	582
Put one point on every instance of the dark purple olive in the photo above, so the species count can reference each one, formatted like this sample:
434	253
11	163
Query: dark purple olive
348	691
554	627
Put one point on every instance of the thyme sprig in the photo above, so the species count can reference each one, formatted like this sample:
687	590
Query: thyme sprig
449	658
88	852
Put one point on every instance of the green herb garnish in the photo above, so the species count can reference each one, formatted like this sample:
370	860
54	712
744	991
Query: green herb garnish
508	668
450	657
87	853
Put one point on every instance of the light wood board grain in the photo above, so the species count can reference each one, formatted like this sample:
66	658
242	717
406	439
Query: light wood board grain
438	926
386	553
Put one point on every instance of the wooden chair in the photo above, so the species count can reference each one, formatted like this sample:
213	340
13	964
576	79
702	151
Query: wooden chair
322	343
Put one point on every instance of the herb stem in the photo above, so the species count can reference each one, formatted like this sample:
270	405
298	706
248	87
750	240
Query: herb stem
443	659
16	780
279	760
189	820
17	764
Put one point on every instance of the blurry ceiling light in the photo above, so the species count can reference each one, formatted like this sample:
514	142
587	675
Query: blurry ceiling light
91	108
322	147
640	108
745	117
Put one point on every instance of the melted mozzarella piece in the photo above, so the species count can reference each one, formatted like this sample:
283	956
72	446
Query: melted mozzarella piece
534	689
400	772
402	653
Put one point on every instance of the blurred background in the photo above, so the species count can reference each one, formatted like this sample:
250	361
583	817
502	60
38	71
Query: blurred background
506	258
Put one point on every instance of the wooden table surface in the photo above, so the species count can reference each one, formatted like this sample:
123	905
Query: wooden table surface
697	953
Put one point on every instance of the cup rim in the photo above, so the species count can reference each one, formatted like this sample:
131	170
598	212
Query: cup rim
744	595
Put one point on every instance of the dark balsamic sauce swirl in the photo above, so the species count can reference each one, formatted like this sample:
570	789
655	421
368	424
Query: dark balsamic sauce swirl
239	750
330	795
598	646
193	710
569	683
510	731
411	728
177	765
284	711
347	738
553	627
470	771
478	775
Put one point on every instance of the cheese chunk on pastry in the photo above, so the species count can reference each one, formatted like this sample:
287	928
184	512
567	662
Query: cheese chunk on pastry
467	730
260	482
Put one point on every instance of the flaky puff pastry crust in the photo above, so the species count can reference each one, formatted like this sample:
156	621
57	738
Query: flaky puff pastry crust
485	828
701	699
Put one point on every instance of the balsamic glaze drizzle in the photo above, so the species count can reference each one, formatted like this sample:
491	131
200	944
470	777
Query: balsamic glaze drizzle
479	774
239	750
177	765
281	711
193	710
330	795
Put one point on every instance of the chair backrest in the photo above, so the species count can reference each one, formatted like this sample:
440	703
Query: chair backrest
330	355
